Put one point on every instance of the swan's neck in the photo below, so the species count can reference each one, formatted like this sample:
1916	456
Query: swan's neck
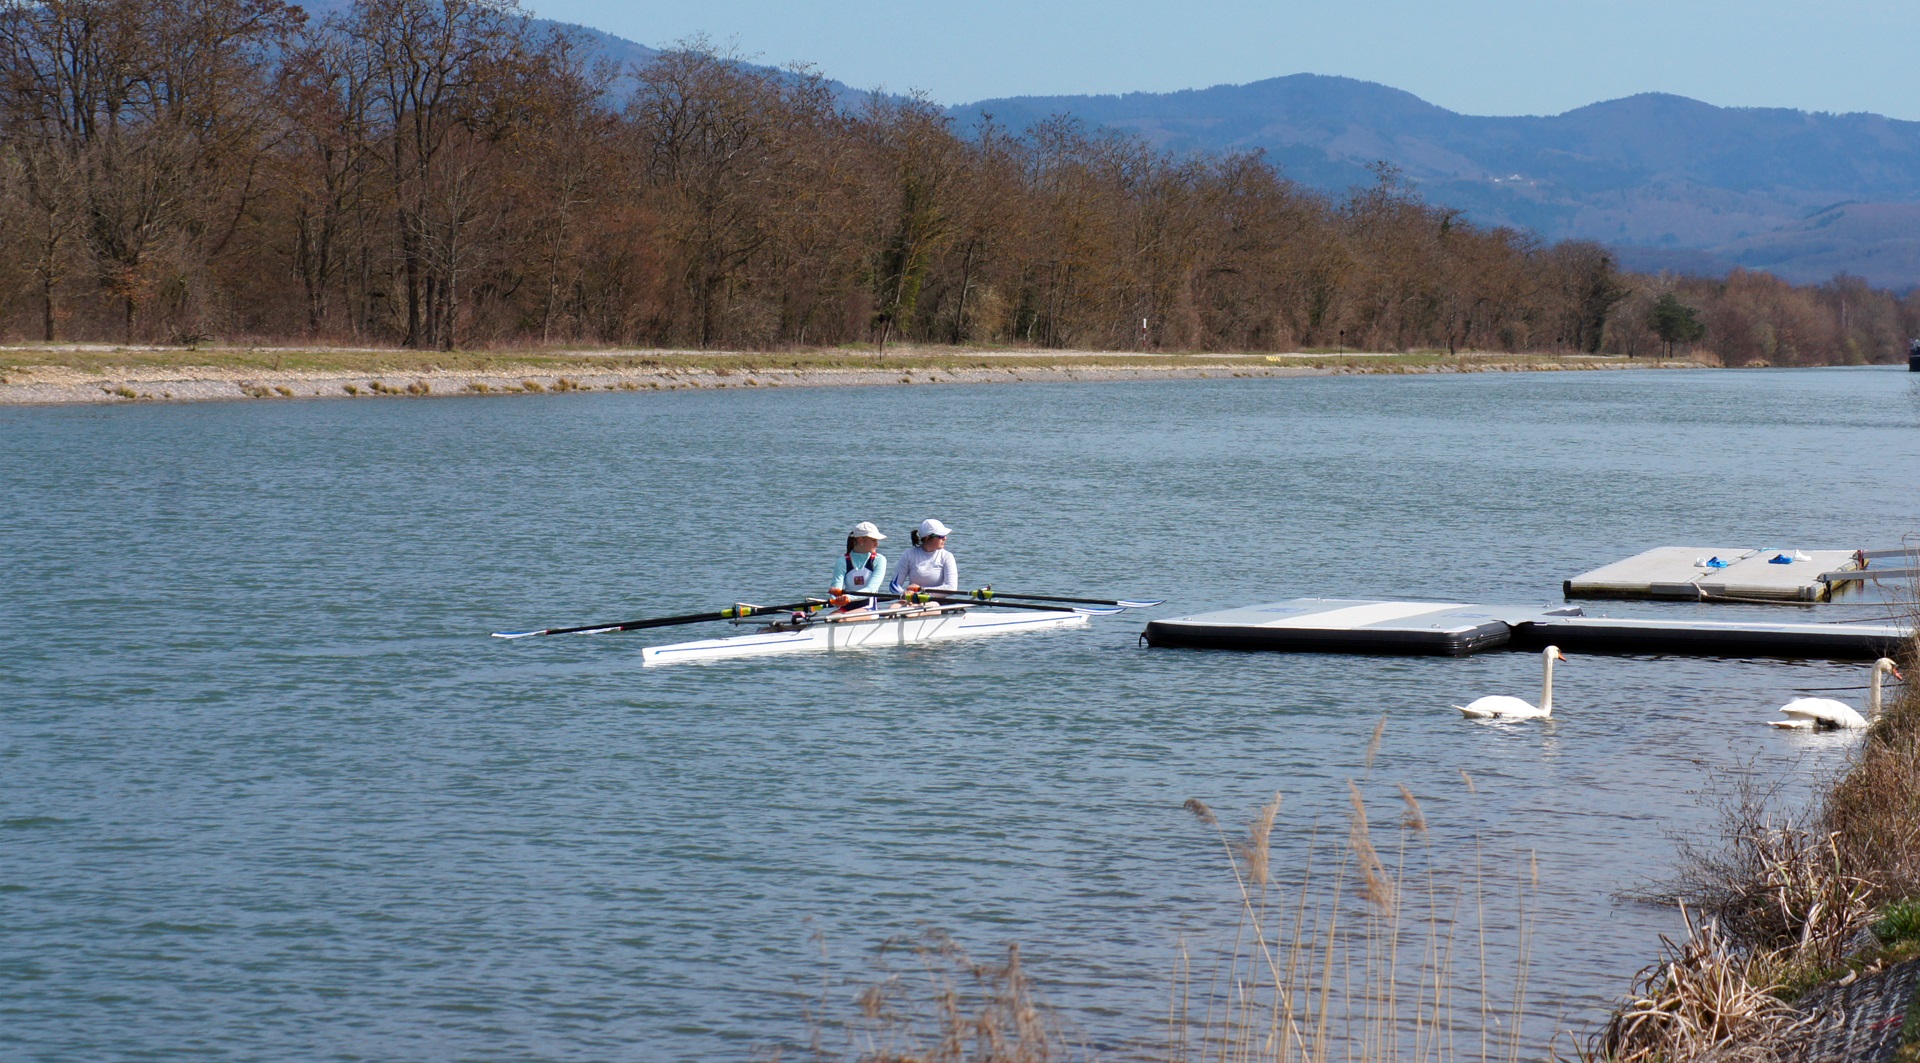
1546	685
1873	689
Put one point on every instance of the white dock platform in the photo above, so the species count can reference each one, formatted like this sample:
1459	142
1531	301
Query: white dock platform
1455	629
1347	625
1705	574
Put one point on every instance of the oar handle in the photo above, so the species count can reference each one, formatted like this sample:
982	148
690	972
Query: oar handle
987	594
943	598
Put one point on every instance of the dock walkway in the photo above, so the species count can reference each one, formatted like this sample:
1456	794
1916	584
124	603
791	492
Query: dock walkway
1694	573
1456	629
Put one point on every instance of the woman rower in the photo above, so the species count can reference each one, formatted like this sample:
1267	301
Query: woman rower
862	570
927	565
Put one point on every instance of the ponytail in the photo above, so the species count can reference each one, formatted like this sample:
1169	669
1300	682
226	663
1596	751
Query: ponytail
849	546
915	533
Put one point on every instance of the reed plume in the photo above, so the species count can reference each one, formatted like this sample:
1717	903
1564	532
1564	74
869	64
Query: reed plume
1415	819
1375	885
1201	811
1259	838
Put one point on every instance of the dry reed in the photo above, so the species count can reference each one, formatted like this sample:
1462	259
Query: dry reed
1357	962
1358	956
952	1009
1708	999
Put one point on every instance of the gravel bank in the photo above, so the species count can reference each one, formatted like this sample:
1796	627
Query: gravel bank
58	385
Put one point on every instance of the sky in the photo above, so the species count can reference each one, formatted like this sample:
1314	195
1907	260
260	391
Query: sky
1488	57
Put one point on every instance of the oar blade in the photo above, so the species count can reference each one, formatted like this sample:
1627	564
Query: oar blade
1144	604
517	634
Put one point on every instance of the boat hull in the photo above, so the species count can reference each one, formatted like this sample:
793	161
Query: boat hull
836	635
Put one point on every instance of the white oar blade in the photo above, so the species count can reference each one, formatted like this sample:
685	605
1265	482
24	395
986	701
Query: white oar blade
550	631
1141	605
1096	610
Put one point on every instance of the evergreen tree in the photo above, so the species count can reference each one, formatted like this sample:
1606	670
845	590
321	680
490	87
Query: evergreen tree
1673	321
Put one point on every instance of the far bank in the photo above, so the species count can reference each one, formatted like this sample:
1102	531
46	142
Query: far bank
61	375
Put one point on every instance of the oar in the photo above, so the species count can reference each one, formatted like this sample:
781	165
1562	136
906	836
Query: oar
935	598
729	613
988	594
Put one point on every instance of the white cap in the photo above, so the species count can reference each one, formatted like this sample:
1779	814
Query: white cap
865	530
933	527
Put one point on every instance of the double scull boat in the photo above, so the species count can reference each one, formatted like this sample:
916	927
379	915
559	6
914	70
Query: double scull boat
918	616
866	629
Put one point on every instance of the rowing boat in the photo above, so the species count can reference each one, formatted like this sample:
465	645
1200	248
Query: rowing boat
865	631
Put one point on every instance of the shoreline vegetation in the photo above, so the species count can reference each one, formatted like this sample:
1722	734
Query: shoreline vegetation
1803	923
66	374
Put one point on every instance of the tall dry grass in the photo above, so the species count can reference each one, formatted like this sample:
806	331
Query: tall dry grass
1873	812
946	1007
1373	949
1708	999
1372	946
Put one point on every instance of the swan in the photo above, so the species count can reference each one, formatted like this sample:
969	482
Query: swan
1502	707
1826	714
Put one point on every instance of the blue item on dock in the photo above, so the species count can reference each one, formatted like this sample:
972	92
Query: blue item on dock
1714	562
1779	559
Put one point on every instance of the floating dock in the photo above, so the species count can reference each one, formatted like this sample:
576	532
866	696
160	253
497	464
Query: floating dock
1455	629
1344	625
1701	574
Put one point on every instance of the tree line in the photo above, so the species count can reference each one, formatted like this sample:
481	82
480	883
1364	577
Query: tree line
443	173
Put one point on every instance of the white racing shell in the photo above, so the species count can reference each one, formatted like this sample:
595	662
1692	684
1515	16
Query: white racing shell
853	632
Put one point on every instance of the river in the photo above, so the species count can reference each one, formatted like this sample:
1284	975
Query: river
269	792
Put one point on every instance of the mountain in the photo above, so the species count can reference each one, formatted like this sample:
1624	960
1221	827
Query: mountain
625	56
1668	181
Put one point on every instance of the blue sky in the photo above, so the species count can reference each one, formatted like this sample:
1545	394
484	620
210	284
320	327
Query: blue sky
1473	56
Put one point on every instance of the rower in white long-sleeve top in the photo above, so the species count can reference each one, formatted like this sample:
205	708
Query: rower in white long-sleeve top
928	564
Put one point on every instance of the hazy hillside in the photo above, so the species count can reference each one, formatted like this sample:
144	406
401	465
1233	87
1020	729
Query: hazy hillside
623	53
1671	181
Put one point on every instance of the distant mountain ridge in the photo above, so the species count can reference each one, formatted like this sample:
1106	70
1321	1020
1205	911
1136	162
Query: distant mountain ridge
1666	180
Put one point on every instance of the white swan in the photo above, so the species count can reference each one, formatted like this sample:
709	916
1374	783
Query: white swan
1502	707
1826	714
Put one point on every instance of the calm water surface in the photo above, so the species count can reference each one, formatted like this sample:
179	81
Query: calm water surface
267	792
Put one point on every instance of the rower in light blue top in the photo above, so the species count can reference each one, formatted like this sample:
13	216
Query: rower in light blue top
862	570
927	564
